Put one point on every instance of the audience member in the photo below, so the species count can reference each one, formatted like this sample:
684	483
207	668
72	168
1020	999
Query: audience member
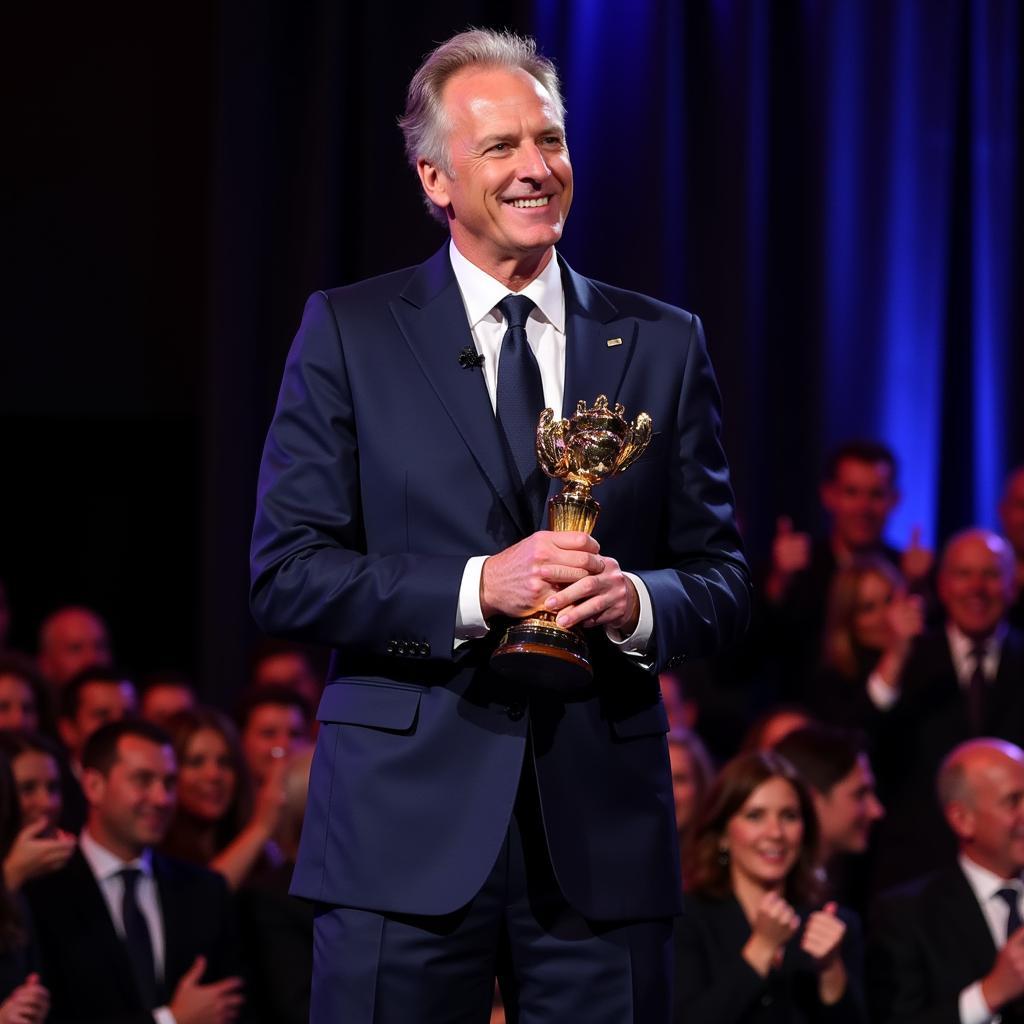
124	931
965	680
163	695
39	846
773	726
288	667
1011	516
277	928
274	721
870	625
950	946
212	824
750	945
94	696
23	999
691	776
71	639
834	765
858	492
25	700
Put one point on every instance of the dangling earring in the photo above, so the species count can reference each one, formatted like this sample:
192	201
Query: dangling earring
723	856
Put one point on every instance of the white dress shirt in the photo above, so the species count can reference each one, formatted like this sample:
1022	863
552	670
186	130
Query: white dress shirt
986	885
883	695
106	868
545	332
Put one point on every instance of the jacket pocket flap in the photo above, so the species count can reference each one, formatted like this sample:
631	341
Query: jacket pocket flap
648	721
379	705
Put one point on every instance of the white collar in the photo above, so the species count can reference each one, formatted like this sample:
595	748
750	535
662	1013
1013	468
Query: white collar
961	644
105	864
481	292
985	883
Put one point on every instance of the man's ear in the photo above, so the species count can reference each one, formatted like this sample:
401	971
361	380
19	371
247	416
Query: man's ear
94	785
961	819
434	182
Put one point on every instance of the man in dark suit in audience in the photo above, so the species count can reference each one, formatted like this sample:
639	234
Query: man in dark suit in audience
858	493
125	935
949	948
834	764
963	681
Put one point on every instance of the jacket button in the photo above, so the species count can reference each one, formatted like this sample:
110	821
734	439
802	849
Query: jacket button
515	710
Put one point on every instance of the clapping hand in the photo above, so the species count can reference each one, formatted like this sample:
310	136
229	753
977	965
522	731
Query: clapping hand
823	936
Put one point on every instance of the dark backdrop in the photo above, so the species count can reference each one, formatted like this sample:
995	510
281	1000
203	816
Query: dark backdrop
833	186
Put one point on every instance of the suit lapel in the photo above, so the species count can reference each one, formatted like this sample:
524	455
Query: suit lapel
593	366
177	958
967	920
431	315
98	934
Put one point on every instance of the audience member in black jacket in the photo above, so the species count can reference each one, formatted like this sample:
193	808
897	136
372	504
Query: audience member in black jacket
949	948
965	680
22	998
751	947
125	934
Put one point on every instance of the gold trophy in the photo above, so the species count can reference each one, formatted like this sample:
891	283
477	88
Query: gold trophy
590	447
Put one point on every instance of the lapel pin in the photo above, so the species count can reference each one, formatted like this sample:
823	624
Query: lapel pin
612	342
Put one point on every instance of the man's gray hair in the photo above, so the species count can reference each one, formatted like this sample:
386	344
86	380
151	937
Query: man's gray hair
424	123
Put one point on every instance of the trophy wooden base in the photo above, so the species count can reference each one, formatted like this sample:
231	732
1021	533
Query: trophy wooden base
538	652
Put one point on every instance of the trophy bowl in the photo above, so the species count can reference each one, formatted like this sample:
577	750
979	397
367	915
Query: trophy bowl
594	444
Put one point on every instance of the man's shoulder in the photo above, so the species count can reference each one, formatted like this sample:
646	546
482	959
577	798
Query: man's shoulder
930	892
184	876
630	303
381	287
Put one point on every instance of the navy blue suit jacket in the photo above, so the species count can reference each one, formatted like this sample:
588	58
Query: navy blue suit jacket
382	473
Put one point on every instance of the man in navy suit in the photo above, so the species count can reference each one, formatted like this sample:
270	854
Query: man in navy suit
461	825
948	948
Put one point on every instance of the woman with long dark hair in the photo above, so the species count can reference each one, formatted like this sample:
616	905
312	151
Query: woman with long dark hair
23	999
215	822
755	942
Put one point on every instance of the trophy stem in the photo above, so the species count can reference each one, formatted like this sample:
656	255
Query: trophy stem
573	509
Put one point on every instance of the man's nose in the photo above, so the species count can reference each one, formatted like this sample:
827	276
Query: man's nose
532	166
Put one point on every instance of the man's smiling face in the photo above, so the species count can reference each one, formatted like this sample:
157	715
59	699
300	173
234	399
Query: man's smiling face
510	185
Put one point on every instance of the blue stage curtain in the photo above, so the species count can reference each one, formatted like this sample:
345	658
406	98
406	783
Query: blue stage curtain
835	186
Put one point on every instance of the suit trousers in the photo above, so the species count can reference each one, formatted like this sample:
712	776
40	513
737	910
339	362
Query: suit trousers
551	963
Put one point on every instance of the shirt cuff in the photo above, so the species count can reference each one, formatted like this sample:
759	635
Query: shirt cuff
636	643
163	1015
882	695
469	617
973	1008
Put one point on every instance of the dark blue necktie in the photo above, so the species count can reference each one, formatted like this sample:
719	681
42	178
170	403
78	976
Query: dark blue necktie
520	400
137	939
1009	897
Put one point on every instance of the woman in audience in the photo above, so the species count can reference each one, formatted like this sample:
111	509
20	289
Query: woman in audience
39	846
212	824
691	775
870	626
24	697
754	943
23	1000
